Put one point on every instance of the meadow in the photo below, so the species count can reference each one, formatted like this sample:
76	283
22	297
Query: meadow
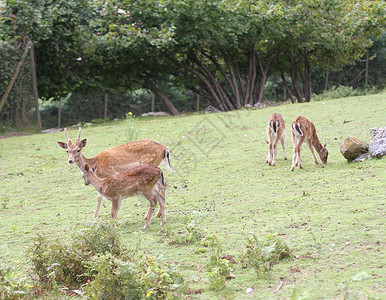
332	216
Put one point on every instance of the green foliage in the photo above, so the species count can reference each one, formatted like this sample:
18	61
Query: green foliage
263	254
13	285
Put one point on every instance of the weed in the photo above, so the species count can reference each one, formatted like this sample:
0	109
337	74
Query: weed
12	284
218	269
4	202
263	255
130	126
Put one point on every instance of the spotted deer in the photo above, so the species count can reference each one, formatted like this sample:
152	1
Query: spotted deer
304	130
146	180
275	133
116	160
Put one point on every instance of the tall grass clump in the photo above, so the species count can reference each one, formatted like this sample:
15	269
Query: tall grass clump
263	254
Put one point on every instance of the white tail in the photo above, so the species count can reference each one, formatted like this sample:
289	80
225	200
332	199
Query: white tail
304	130
116	160
144	179
275	133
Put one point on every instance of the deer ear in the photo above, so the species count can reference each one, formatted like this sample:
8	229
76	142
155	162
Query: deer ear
83	143
63	145
86	167
325	144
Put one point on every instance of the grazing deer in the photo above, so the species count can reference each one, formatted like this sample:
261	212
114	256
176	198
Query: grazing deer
275	133
147	180
116	160
304	130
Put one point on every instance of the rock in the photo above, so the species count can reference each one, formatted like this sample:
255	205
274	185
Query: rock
211	109
352	147
377	147
362	157
155	114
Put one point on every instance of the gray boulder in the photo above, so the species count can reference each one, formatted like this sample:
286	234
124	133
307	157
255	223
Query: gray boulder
353	147
377	147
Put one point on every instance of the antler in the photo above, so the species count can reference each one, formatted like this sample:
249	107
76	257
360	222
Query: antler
78	138
66	135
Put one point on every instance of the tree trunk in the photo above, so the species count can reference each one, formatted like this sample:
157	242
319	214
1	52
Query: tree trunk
286	87
106	100
295	82
13	79
163	98
60	113
367	69
35	86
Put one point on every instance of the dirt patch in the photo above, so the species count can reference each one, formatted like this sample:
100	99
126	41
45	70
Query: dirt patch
11	134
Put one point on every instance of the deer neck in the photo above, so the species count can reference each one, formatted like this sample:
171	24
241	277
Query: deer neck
95	181
316	143
83	161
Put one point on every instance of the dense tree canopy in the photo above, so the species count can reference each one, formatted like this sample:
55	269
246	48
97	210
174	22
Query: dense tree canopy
223	50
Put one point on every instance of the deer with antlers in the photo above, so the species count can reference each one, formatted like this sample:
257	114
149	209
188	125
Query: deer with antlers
115	160
275	133
304	130
146	180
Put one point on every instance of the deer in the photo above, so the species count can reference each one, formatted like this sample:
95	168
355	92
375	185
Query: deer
147	180
275	133
116	160
304	130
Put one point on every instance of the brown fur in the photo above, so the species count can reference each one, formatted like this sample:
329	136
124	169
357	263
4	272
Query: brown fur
146	180
116	160
275	133
304	130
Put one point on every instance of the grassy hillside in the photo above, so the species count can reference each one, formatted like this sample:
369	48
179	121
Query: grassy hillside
332	216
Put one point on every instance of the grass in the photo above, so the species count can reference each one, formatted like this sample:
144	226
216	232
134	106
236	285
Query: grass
331	216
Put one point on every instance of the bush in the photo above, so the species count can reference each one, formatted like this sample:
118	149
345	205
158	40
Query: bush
263	255
97	265
343	91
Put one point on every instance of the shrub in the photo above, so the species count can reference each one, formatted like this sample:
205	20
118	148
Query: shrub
218	269
96	261
263	255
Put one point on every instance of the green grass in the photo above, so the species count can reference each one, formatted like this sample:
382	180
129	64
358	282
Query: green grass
331	216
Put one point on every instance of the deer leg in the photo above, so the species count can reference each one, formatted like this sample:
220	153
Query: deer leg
160	189
282	141
161	212
312	151
153	203
99	200
274	150
299	148
294	158
116	205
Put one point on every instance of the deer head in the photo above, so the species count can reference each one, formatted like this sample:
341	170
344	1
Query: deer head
323	153
74	150
86	173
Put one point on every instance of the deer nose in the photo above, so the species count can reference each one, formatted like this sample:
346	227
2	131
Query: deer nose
70	161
